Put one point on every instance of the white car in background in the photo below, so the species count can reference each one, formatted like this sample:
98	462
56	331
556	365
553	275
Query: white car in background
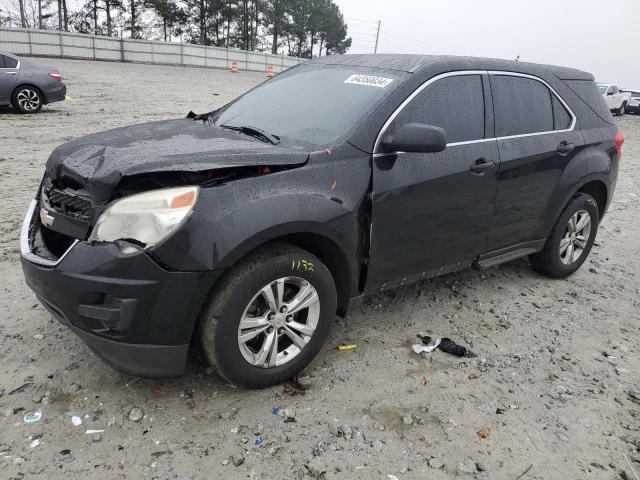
634	102
617	100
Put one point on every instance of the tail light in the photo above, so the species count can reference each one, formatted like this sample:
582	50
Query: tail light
619	139
55	76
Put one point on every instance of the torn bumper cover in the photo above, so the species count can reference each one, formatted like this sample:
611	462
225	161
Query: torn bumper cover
131	311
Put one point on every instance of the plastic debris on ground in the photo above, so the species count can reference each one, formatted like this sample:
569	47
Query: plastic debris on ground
351	346
445	344
259	441
33	417
91	432
287	414
76	420
34	443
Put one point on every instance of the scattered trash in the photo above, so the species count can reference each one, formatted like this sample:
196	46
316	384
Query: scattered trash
499	411
259	441
35	443
417	348
424	381
445	344
483	432
33	417
91	432
391	477
160	392
351	346
288	414
525	472
132	382
38	336
293	388
20	389
76	420
237	460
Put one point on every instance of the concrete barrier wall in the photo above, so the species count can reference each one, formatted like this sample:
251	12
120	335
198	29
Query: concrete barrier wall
53	43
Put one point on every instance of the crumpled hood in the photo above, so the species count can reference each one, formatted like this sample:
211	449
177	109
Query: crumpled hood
99	161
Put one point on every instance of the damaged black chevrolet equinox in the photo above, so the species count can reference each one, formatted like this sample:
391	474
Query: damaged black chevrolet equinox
245	230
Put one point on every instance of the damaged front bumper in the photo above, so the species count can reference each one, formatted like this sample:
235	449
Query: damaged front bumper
130	310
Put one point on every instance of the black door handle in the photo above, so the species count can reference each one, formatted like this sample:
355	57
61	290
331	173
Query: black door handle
479	166
565	147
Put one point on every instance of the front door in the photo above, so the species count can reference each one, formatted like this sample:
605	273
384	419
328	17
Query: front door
432	212
8	78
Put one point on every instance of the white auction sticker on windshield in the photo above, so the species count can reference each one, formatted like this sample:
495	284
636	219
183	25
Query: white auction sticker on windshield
369	80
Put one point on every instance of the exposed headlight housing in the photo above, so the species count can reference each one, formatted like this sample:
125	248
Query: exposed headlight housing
147	218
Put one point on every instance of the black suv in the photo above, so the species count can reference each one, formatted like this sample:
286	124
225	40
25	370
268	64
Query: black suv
246	229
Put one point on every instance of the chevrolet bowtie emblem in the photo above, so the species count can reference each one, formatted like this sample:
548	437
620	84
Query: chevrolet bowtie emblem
46	219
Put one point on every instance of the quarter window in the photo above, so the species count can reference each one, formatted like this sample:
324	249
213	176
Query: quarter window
455	104
7	62
521	105
10	62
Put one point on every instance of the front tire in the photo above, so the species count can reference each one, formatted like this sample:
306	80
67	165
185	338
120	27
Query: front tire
27	99
269	317
570	240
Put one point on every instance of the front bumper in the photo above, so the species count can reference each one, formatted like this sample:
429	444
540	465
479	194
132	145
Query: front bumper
131	311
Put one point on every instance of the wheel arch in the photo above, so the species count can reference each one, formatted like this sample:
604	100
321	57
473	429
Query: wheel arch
598	190
329	249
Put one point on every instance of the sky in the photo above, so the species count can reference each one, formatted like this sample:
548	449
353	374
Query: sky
601	37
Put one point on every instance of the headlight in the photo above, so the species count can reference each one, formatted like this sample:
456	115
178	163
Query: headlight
145	217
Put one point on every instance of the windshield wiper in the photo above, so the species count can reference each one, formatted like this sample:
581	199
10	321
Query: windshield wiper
254	132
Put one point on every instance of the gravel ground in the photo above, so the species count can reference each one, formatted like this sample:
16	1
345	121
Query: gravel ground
553	394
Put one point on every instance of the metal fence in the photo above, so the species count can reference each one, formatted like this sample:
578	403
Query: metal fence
53	43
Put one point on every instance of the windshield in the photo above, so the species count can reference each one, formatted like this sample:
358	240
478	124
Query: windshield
602	88
317	106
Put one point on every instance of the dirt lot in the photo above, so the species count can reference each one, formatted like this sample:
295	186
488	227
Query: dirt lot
554	391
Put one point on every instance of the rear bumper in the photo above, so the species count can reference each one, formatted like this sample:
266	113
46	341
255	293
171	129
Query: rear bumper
56	92
132	312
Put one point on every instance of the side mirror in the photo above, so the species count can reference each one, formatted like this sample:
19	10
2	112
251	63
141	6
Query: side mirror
415	137
610	92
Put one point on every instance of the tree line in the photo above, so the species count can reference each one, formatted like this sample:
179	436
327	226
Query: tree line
303	28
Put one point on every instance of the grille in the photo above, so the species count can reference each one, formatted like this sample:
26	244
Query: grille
66	201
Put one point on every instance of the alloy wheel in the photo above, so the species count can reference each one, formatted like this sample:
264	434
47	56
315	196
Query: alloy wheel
278	322
575	238
28	99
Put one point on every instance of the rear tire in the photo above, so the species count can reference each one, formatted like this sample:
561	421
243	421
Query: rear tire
241	306
27	99
569	243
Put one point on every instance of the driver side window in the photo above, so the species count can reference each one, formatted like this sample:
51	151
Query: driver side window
455	104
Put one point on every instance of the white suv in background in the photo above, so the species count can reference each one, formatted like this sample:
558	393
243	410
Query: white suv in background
634	102
617	100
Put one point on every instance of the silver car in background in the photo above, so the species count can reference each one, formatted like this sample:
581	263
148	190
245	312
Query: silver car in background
27	86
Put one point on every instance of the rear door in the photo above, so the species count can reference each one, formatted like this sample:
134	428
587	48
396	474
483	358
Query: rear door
536	140
8	78
432	212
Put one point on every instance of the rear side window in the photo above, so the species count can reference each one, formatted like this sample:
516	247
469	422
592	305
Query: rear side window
561	117
521	105
455	104
588	93
8	62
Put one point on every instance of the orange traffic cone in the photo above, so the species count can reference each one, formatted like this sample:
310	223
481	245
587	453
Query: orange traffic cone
270	71
234	67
